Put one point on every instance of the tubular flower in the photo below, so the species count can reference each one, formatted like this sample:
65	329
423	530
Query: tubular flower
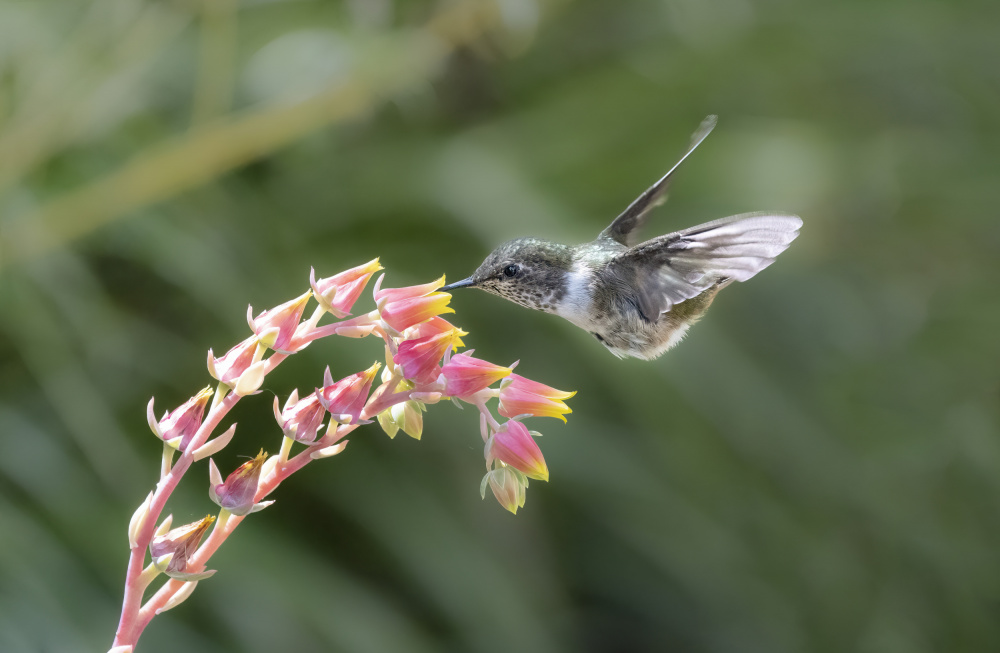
233	363
338	293
241	367
300	420
433	327
465	375
275	327
514	446
346	398
508	487
179	426
237	493
419	358
521	396
170	551
401	308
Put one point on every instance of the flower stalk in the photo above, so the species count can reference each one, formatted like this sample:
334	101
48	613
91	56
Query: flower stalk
421	368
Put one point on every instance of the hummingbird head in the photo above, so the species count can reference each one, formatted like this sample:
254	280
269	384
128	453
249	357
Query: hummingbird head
527	271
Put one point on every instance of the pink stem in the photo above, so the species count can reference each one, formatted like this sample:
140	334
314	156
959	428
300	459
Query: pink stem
127	632
488	415
335	327
135	617
219	534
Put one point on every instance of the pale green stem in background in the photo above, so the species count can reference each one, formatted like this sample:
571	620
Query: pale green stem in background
216	60
208	151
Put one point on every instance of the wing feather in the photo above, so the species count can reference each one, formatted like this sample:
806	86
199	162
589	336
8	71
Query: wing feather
678	266
623	228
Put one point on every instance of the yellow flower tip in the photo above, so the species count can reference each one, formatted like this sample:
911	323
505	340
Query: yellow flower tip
301	299
204	394
456	337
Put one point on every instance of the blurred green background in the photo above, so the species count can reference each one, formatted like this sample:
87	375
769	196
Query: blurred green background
816	468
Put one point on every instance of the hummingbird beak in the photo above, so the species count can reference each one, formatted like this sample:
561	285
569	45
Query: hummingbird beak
459	284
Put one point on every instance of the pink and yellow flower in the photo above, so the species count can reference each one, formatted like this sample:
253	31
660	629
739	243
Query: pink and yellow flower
241	368
233	363
401	308
177	427
346	398
433	327
465	375
514	446
419	358
236	494
521	396
170	551
338	293
276	327
301	419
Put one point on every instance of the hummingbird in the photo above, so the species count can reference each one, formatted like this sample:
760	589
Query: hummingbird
637	298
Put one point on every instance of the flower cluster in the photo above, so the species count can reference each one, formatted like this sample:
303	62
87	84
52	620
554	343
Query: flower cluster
422	364
422	367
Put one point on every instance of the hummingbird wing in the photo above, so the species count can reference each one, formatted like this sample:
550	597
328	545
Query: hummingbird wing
678	266
622	228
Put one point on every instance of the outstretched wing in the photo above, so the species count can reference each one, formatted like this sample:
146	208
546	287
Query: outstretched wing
681	265
638	211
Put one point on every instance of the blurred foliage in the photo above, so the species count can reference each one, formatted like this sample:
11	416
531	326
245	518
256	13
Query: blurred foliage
816	468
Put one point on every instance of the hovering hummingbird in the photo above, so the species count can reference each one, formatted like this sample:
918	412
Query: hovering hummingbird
637	299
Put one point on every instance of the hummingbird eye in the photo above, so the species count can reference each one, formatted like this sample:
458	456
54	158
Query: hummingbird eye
510	271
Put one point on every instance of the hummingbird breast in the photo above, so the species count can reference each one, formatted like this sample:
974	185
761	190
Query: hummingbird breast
606	307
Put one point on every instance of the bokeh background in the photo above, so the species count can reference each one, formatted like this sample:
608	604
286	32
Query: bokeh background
816	468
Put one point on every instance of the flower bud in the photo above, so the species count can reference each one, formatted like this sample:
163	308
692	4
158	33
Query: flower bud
179	426
465	375
433	327
514	446
233	363
338	293
237	493
420	358
388	425
401	308
521	396
171	551
508	487
346	398
300	420
407	416
275	327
